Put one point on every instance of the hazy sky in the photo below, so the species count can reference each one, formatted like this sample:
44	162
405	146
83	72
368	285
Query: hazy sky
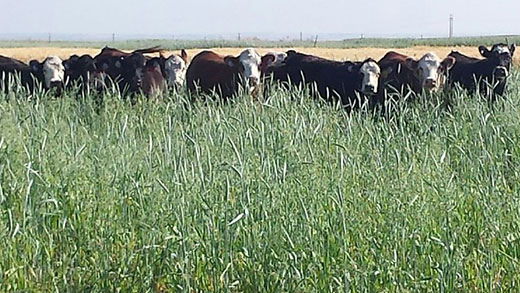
370	17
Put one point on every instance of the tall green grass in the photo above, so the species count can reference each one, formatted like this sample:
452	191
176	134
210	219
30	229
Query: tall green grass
281	195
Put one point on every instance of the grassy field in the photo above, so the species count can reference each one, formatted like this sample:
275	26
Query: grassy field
205	44
281	195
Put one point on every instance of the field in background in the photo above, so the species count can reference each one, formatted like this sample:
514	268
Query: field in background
349	43
40	53
353	49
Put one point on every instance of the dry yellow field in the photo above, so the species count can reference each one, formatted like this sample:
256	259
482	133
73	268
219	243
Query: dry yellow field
40	53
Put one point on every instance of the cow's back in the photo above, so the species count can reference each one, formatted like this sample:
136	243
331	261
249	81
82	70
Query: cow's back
332	79
469	72
208	71
10	67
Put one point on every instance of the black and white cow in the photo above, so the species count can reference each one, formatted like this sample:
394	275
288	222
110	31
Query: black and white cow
334	80
487	75
50	72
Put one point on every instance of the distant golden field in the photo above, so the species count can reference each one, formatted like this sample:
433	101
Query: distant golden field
40	53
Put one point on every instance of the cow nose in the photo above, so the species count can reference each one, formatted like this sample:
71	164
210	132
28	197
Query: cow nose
500	72
369	89
253	81
430	83
56	84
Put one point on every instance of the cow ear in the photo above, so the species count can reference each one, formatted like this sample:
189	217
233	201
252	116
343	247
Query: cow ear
448	63
350	67
484	51
411	64
512	49
267	60
231	61
66	64
35	65
184	55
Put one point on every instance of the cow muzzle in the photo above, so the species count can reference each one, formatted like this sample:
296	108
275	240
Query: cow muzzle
253	81
430	84
56	84
500	73
369	90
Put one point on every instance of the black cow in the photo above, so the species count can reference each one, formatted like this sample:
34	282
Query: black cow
123	68
488	75
50	72
82	71
333	79
122	71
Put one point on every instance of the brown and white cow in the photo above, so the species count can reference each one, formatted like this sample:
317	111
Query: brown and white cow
427	73
211	72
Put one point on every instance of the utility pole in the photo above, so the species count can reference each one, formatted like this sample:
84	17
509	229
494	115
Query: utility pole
50	37
451	26
239	36
301	36
113	38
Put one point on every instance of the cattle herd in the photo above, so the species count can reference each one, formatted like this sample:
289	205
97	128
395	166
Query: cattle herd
223	76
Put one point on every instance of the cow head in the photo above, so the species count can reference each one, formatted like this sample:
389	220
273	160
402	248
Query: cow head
430	70
501	55
175	68
130	70
79	68
51	71
248	65
152	65
272	59
370	73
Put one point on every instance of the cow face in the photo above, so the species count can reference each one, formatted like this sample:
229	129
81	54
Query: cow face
175	68
430	70
501	55
248	64
370	73
131	69
272	59
79	68
51	71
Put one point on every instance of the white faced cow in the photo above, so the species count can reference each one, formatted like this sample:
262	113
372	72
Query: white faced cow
175	68
250	61
351	83
371	73
51	71
211	72
427	73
